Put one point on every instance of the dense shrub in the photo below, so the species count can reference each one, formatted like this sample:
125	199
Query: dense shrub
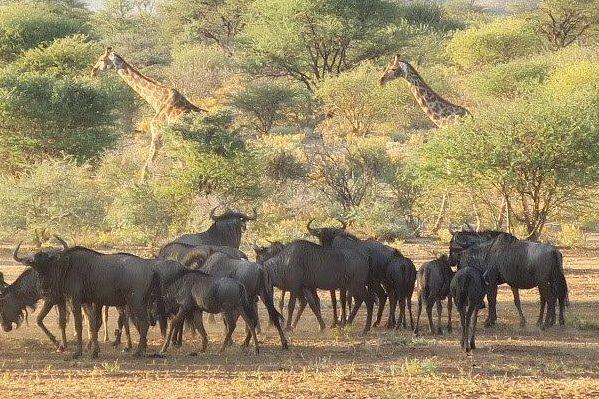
512	78
498	41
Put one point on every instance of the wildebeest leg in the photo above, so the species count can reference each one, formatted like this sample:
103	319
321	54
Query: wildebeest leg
551	302
230	321
282	301
382	295
344	304
88	315
225	322
140	315
449	306
429	313
127	328
252	328
401	321
418	314
174	322
290	308
409	302
369	300
312	298
439	313
199	323
106	337
78	320
300	310
95	324
562	306
542	300
258	328
334	303
463	326
468	319
516	294
357	303
62	324
392	306
178	334
492	298
473	319
40	322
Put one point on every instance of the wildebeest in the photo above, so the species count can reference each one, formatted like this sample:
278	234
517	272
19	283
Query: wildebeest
267	252
254	279
468	290
84	276
397	274
24	293
225	231
522	265
194	292
180	251
434	278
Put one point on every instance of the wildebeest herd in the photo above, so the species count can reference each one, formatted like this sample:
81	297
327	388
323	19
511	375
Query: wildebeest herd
207	272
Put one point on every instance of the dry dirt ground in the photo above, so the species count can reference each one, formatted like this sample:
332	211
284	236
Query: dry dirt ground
510	362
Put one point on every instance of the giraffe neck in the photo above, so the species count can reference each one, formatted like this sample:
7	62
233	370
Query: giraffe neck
436	108
153	92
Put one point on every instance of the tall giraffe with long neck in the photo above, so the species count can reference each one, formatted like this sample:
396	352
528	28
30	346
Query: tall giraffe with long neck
167	102
439	110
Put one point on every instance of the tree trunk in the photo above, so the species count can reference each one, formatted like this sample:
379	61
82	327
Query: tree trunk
442	211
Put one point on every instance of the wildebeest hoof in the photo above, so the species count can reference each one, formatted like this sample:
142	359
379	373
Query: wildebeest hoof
192	354
522	322
449	329
74	356
94	354
440	331
285	345
257	351
489	323
126	349
376	323
60	349
177	344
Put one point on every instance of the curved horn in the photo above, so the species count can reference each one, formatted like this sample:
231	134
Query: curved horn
310	229
62	242
212	216
343	224
254	216
15	254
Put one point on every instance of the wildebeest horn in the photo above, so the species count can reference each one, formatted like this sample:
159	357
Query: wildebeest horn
343	224
15	254
62	242
253	217
212	213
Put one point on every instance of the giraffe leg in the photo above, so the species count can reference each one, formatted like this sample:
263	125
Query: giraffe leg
155	145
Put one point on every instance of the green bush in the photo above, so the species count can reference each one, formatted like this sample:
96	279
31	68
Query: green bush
23	27
53	197
427	14
496	42
266	105
512	78
69	56
45	115
572	78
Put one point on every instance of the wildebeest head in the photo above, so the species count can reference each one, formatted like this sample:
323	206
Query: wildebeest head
9	314
232	217
462	240
326	235
23	293
42	262
265	253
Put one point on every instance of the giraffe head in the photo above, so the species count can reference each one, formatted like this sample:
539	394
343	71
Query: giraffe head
108	60
397	68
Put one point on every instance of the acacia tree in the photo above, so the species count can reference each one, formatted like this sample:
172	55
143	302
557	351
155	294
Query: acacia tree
212	21
563	22
541	155
310	40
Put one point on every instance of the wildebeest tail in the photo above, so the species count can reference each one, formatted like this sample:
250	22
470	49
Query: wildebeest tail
558	280
427	278
267	294
156	298
461	291
247	306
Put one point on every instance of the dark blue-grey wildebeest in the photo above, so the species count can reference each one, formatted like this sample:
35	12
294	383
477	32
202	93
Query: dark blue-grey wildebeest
522	265
434	278
180	251
468	290
83	276
194	292
225	231
252	276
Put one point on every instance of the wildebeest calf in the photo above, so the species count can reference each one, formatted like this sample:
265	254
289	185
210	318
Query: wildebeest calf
433	279
195	292
468	290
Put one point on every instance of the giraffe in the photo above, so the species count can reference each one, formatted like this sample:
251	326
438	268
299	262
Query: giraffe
439	110
167	102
